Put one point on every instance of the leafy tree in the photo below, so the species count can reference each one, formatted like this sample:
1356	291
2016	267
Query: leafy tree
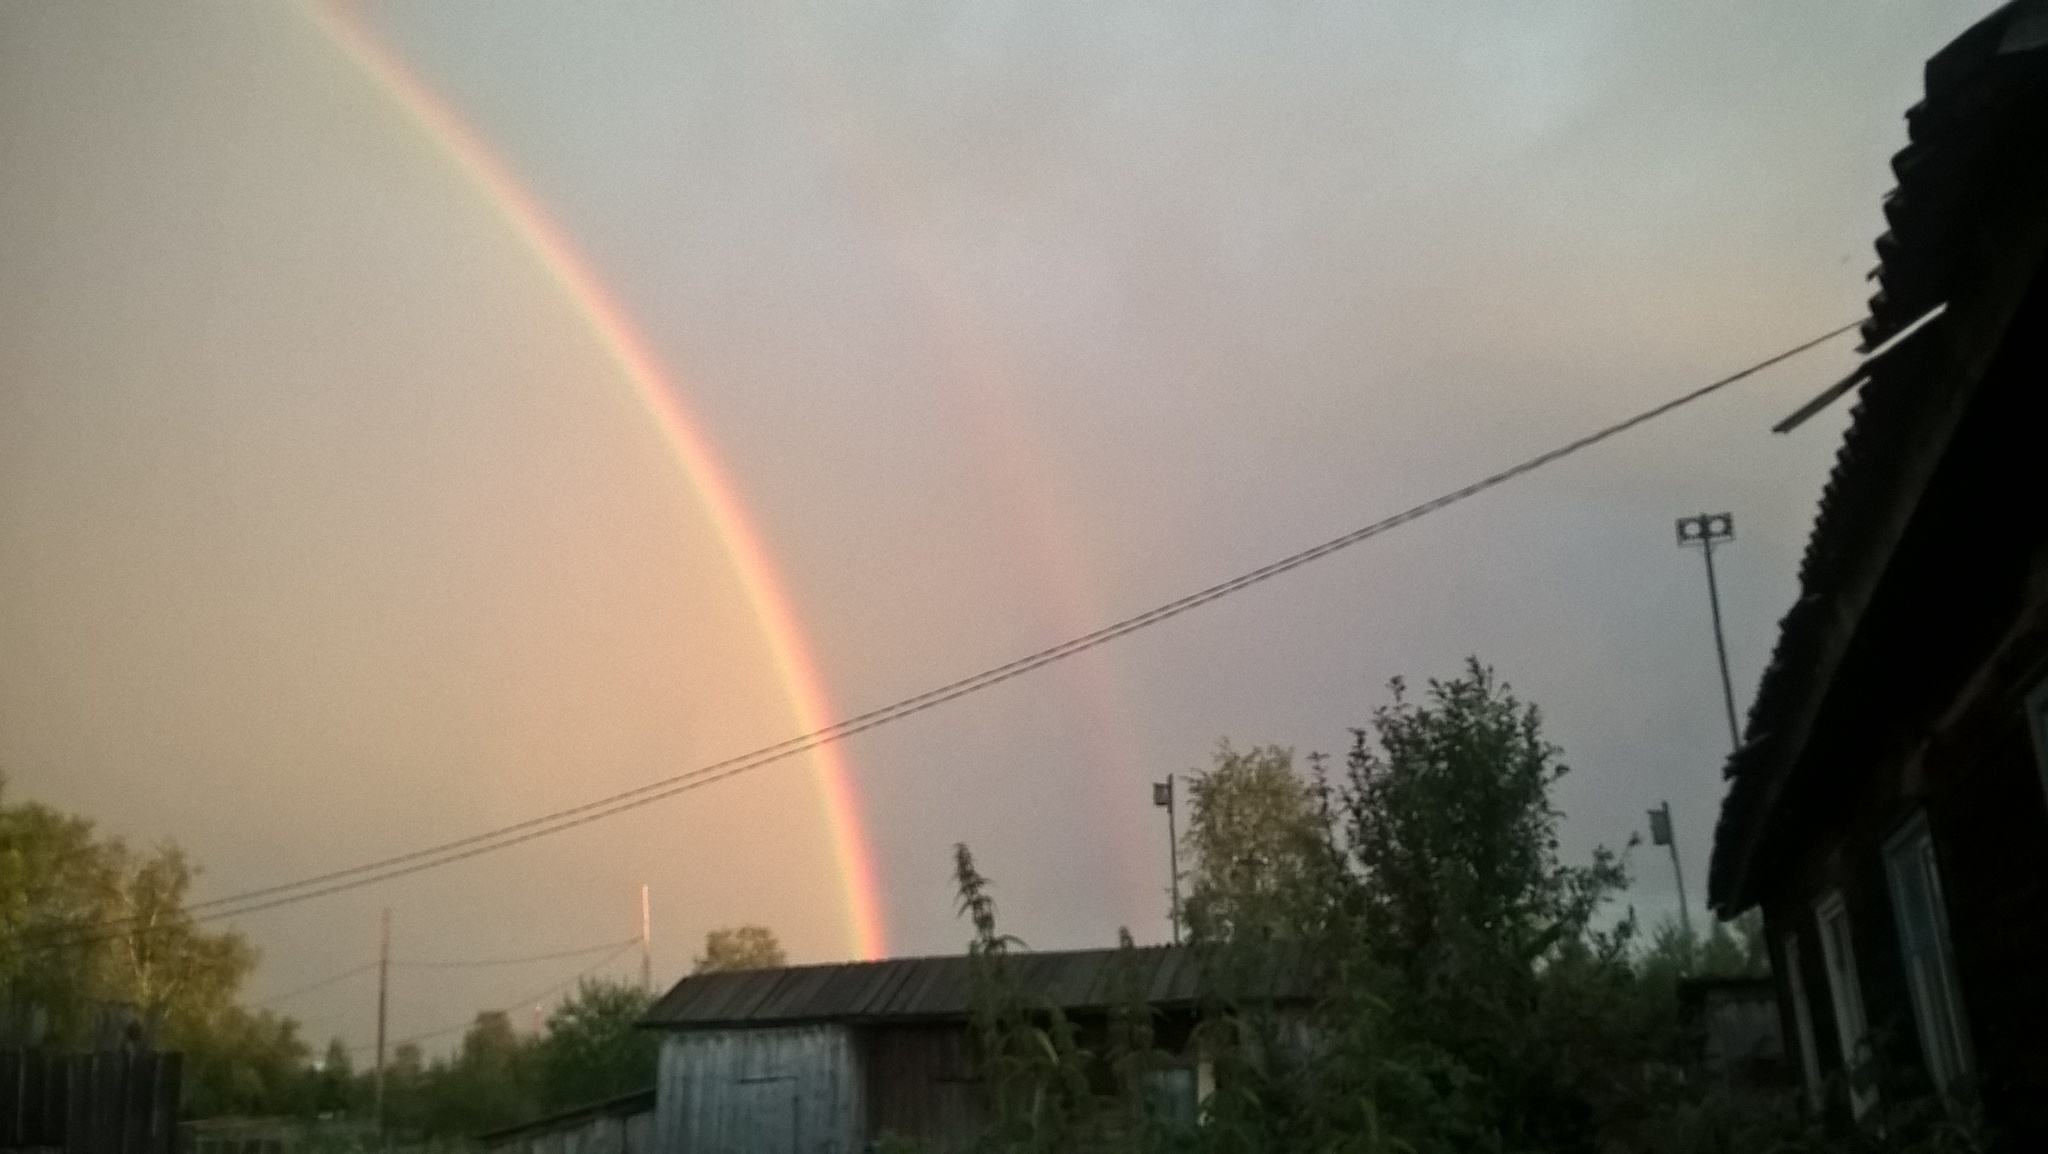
592	1050
489	1083
239	1061
1462	896
1257	843
1454	832
407	1090
89	925
333	1089
740	948
54	883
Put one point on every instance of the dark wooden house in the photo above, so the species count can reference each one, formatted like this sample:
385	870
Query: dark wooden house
831	1058
1887	808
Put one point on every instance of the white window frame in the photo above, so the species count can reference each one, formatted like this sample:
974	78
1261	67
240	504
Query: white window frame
1845	991
1802	1020
2037	724
1920	912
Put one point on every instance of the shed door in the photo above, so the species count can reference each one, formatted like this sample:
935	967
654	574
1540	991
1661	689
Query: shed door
756	1116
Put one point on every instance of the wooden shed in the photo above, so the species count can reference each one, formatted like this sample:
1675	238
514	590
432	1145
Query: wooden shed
826	1059
1887	808
619	1125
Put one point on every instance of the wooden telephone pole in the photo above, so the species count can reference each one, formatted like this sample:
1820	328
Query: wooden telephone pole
383	1007
646	943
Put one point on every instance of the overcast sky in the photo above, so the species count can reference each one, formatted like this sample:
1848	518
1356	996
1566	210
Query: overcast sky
328	530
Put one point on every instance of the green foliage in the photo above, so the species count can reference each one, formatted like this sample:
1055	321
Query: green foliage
592	1050
1488	935
1455	837
740	948
332	1088
243	1062
492	1081
55	880
1470	996
88	923
1033	1069
499	1077
1257	845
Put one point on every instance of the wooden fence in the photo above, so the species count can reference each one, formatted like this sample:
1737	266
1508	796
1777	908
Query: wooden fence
111	1102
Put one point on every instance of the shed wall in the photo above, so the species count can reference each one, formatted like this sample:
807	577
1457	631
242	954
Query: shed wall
761	1090
922	1084
600	1134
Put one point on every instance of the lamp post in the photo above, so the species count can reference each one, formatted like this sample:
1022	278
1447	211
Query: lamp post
1660	834
1162	795
1706	531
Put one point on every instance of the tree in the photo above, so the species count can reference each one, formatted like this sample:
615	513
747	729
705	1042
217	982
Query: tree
1466	1000
740	948
407	1108
54	884
1453	829
489	1083
1500	980
88	926
240	1061
334	1081
1257	844
592	1050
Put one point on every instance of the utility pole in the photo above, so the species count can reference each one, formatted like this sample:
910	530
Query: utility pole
1706	531
1162	795
383	1006
646	942
1661	834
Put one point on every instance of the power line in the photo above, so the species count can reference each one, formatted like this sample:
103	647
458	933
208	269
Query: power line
482	963
515	1003
488	962
447	853
322	984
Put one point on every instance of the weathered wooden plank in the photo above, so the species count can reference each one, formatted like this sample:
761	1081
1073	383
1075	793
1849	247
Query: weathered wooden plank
921	1083
774	1090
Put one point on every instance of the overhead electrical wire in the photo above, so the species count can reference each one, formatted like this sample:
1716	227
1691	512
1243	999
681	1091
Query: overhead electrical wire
515	1003
503	837
483	963
319	985
489	962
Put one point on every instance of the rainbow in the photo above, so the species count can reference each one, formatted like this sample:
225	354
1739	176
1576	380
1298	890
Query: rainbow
657	390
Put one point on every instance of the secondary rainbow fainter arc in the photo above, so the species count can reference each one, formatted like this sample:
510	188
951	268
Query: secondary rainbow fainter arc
616	333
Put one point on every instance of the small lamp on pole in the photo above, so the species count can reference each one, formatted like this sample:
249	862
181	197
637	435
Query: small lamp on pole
1704	532
1660	834
1162	795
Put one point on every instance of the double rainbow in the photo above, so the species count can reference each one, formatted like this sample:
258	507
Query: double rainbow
658	391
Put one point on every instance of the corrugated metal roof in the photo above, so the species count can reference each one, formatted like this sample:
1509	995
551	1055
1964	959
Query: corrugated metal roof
942	987
1977	135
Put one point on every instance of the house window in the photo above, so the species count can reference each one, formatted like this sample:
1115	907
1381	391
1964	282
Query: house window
1924	947
1169	1096
2037	721
1802	1021
1859	1068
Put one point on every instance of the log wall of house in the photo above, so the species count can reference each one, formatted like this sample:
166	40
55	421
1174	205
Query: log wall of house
1926	718
761	1090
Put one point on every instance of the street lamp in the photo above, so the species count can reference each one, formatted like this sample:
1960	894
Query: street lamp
1704	532
1162	795
1660	834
